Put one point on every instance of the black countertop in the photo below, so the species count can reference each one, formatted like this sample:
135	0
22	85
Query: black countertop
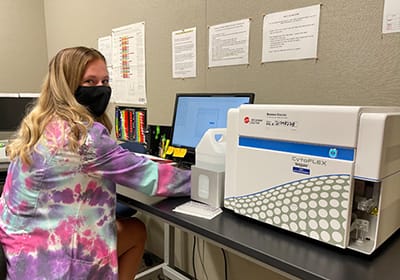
294	254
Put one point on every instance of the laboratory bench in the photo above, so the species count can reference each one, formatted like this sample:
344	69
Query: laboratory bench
284	251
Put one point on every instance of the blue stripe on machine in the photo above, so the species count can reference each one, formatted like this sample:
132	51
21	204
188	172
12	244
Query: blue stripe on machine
298	148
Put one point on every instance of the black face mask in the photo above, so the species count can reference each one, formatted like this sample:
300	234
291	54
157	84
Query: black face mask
95	98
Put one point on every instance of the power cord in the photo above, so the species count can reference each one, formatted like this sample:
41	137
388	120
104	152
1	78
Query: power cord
193	257
202	258
225	264
194	265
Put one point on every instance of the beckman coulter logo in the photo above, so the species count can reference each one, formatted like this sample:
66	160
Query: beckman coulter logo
248	120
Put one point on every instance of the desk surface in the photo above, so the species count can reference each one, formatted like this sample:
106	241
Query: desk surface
286	251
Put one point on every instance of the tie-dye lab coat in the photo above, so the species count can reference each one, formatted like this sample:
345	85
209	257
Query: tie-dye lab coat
57	217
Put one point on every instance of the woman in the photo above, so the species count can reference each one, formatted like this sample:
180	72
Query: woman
57	210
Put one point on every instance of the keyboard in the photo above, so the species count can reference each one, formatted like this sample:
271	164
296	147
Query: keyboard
198	209
184	165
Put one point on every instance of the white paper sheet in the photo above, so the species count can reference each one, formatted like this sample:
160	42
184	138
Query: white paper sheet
229	43
104	45
391	16
198	209
291	34
184	53
128	61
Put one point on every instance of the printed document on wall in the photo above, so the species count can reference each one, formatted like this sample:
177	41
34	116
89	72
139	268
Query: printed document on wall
228	43
391	16
128	60
291	35
104	45
184	53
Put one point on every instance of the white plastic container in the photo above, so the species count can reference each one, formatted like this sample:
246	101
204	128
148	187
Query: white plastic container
210	152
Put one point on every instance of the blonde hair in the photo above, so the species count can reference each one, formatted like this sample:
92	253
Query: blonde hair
57	100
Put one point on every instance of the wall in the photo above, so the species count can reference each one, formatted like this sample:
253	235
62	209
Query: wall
94	19
356	63
23	50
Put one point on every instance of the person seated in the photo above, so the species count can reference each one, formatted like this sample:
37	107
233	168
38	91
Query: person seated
57	209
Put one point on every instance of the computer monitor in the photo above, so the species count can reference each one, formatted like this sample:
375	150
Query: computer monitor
13	108
194	113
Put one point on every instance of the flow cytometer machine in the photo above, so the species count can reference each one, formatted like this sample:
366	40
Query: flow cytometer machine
331	173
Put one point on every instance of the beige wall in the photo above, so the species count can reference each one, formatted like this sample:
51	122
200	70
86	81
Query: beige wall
23	50
78	22
356	65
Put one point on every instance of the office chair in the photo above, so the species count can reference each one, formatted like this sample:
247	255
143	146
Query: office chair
3	262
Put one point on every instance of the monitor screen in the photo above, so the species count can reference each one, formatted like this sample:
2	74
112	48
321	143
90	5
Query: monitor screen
13	109
195	113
